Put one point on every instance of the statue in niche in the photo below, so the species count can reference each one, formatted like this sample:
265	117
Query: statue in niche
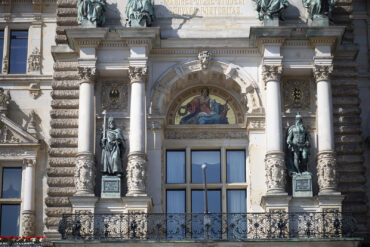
267	9
298	141
92	11
204	110
140	13
319	8
113	147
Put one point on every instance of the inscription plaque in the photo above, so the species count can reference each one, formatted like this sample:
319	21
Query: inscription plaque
302	184
111	187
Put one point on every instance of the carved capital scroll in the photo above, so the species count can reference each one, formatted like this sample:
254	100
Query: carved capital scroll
84	176
87	74
271	72
326	171
136	174
137	74
275	172
322	72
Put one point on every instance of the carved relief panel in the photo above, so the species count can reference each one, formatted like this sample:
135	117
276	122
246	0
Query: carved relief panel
297	95
114	96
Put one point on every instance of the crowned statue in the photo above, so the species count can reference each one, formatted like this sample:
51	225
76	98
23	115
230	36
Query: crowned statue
298	142
92	11
113	148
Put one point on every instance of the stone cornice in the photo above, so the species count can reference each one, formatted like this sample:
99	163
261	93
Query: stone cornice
86	37
149	37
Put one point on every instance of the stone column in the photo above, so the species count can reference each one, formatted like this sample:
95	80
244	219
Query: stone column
136	168
274	159
28	212
326	161
85	167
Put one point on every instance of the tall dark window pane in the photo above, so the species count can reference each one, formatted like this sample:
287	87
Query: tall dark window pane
176	214
10	220
235	166
203	225
175	167
1	50
18	52
213	161
12	182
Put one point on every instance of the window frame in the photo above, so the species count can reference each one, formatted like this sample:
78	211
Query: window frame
205	145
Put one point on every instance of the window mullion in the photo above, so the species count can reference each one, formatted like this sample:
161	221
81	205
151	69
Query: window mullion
5	58
188	179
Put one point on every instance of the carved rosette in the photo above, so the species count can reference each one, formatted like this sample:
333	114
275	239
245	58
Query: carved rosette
204	58
136	174
85	174
326	171
28	223
271	72
137	74
87	74
322	72
275	172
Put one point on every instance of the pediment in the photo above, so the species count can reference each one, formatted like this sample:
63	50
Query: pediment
12	133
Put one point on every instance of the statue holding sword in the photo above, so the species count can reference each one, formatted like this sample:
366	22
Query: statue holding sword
113	148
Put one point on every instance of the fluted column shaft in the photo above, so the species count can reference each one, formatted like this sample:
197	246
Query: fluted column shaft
274	159
326	165
85	170
28	212
136	168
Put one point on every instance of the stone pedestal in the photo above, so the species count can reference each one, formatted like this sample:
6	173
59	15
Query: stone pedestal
330	202
302	184
83	204
276	202
110	187
133	204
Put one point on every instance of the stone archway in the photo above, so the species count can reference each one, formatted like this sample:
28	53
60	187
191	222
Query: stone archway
175	79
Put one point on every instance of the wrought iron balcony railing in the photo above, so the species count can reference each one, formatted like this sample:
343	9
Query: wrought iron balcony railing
212	226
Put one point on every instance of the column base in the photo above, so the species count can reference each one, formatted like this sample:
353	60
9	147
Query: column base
137	204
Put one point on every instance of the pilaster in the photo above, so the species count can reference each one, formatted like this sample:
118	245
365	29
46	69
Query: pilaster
28	211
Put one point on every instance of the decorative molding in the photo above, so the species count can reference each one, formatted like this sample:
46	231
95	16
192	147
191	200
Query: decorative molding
35	90
256	123
114	96
28	223
205	133
87	43
275	172
322	72
84	176
271	73
251	101
204	58
138	74
215	52
87	74
113	44
34	61
136	174
326	171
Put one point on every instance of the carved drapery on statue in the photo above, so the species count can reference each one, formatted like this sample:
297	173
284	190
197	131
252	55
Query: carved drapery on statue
92	11
326	171
319	8
298	141
136	174
140	13
113	147
84	176
275	172
267	9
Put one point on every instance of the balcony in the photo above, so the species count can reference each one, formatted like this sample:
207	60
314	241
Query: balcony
208	227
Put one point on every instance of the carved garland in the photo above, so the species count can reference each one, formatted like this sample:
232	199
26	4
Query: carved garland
322	72
271	72
275	172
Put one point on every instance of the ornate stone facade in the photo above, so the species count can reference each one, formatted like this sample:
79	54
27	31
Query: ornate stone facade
87	74
275	172
138	74
84	176
136	174
322	72
326	171
271	72
204	58
28	224
34	61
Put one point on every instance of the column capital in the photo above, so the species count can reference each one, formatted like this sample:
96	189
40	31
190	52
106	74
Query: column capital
29	162
87	74
322	72
272	72
137	74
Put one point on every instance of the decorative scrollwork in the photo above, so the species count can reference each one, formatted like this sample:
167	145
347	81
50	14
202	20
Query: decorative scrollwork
271	72
137	74
322	72
87	74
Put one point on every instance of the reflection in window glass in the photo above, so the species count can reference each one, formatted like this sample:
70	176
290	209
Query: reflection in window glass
18	52
235	166
212	160
175	166
9	220
236	207
12	181
1	50
175	214
206	226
